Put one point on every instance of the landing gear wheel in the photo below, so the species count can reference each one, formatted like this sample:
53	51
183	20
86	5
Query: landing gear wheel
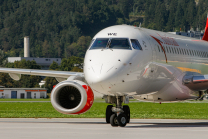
108	113
122	120
113	120
126	110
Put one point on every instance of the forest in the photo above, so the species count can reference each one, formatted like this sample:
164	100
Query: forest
64	28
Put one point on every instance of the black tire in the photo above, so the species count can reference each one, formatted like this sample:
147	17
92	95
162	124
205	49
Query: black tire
113	120
126	110
108	113
122	120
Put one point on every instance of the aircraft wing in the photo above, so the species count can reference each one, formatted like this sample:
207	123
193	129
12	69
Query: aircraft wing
196	82
15	73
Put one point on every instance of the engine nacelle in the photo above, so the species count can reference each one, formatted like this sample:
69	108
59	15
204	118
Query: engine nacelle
72	97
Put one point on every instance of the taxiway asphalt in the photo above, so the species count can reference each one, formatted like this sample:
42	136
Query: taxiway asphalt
69	128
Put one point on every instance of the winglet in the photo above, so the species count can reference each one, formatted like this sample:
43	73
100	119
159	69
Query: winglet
205	37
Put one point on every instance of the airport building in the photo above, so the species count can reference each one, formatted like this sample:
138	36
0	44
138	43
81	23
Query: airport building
23	93
192	34
43	62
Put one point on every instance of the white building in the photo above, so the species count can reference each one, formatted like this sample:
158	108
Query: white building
192	34
23	93
43	62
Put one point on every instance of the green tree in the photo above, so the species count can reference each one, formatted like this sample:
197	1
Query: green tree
68	64
54	66
3	60
26	81
171	18
50	82
83	44
191	12
179	16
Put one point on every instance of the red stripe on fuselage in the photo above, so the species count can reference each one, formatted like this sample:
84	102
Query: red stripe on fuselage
205	37
161	47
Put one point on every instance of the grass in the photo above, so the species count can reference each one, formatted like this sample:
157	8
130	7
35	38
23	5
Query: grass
140	110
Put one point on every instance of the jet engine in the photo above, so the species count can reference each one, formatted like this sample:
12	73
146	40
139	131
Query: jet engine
72	97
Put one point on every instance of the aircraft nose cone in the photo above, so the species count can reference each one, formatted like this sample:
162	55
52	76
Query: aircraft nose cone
99	73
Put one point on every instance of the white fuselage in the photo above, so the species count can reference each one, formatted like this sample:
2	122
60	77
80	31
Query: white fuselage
152	74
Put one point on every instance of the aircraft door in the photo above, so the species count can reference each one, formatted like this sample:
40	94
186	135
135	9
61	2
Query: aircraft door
152	45
153	65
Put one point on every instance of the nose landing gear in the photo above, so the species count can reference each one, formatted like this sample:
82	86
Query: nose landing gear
118	115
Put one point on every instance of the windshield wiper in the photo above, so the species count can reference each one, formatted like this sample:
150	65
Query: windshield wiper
108	45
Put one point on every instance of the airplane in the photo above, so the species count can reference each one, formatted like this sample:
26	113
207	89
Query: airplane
123	61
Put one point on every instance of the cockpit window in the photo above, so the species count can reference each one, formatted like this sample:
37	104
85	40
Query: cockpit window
117	43
100	43
91	43
111	43
136	44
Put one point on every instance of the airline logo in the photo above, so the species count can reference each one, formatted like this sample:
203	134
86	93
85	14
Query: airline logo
165	41
168	41
160	43
112	34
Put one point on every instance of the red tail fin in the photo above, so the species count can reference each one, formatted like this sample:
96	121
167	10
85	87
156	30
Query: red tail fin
205	37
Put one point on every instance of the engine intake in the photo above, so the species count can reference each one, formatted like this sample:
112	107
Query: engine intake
72	97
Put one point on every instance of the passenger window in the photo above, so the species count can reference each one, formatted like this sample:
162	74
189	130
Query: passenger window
187	51
117	43
184	51
181	51
176	50
190	52
158	48
172	50
167	49
136	44
100	43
